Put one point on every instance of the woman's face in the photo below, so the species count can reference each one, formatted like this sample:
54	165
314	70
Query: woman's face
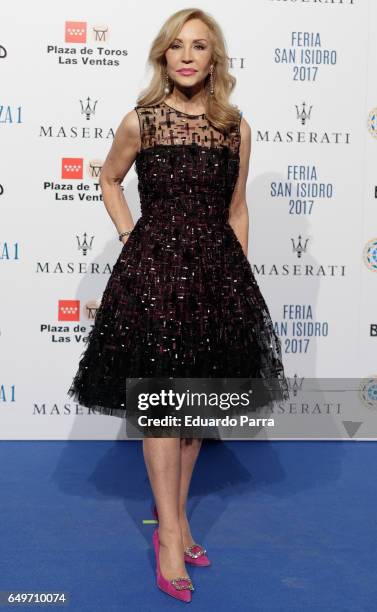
189	55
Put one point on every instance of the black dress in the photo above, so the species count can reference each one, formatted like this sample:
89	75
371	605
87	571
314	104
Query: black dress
182	300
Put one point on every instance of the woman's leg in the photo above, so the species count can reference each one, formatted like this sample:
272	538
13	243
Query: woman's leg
163	462
189	455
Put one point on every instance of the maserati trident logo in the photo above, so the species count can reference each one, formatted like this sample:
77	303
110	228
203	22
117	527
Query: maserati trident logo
303	115
295	384
88	110
84	245
299	248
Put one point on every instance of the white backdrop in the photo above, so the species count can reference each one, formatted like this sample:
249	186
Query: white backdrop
306	84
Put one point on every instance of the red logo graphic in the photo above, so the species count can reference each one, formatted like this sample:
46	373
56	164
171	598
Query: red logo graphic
75	31
72	167
69	310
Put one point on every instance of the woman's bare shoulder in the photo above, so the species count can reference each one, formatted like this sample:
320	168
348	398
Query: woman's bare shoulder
129	125
124	149
245	129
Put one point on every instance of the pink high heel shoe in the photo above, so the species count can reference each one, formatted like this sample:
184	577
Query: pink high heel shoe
194	554
180	588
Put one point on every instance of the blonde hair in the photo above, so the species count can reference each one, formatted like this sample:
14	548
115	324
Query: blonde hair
219	111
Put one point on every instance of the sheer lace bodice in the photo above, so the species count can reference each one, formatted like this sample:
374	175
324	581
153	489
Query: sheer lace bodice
185	166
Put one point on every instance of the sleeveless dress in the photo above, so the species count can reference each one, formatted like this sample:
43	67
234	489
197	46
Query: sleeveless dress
182	300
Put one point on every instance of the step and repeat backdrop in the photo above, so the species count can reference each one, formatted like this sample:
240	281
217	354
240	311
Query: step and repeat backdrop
306	83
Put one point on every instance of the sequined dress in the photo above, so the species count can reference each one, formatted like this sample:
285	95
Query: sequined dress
182	300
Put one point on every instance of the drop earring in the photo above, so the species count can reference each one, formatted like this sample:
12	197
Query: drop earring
167	86
211	81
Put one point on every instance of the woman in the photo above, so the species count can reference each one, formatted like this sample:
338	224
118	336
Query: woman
182	300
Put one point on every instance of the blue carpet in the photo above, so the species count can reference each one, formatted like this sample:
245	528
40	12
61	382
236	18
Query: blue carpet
289	526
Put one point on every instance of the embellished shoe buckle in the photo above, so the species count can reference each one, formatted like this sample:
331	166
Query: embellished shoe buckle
181	587
189	550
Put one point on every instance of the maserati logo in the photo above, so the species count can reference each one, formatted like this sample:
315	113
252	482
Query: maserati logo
303	134
84	246
88	110
299	248
295	384
303	114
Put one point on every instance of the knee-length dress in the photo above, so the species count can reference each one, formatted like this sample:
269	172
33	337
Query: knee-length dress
182	299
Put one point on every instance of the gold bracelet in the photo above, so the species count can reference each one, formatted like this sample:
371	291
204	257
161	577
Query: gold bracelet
124	234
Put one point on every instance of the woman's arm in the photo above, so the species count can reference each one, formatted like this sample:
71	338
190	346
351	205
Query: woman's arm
119	160
238	211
